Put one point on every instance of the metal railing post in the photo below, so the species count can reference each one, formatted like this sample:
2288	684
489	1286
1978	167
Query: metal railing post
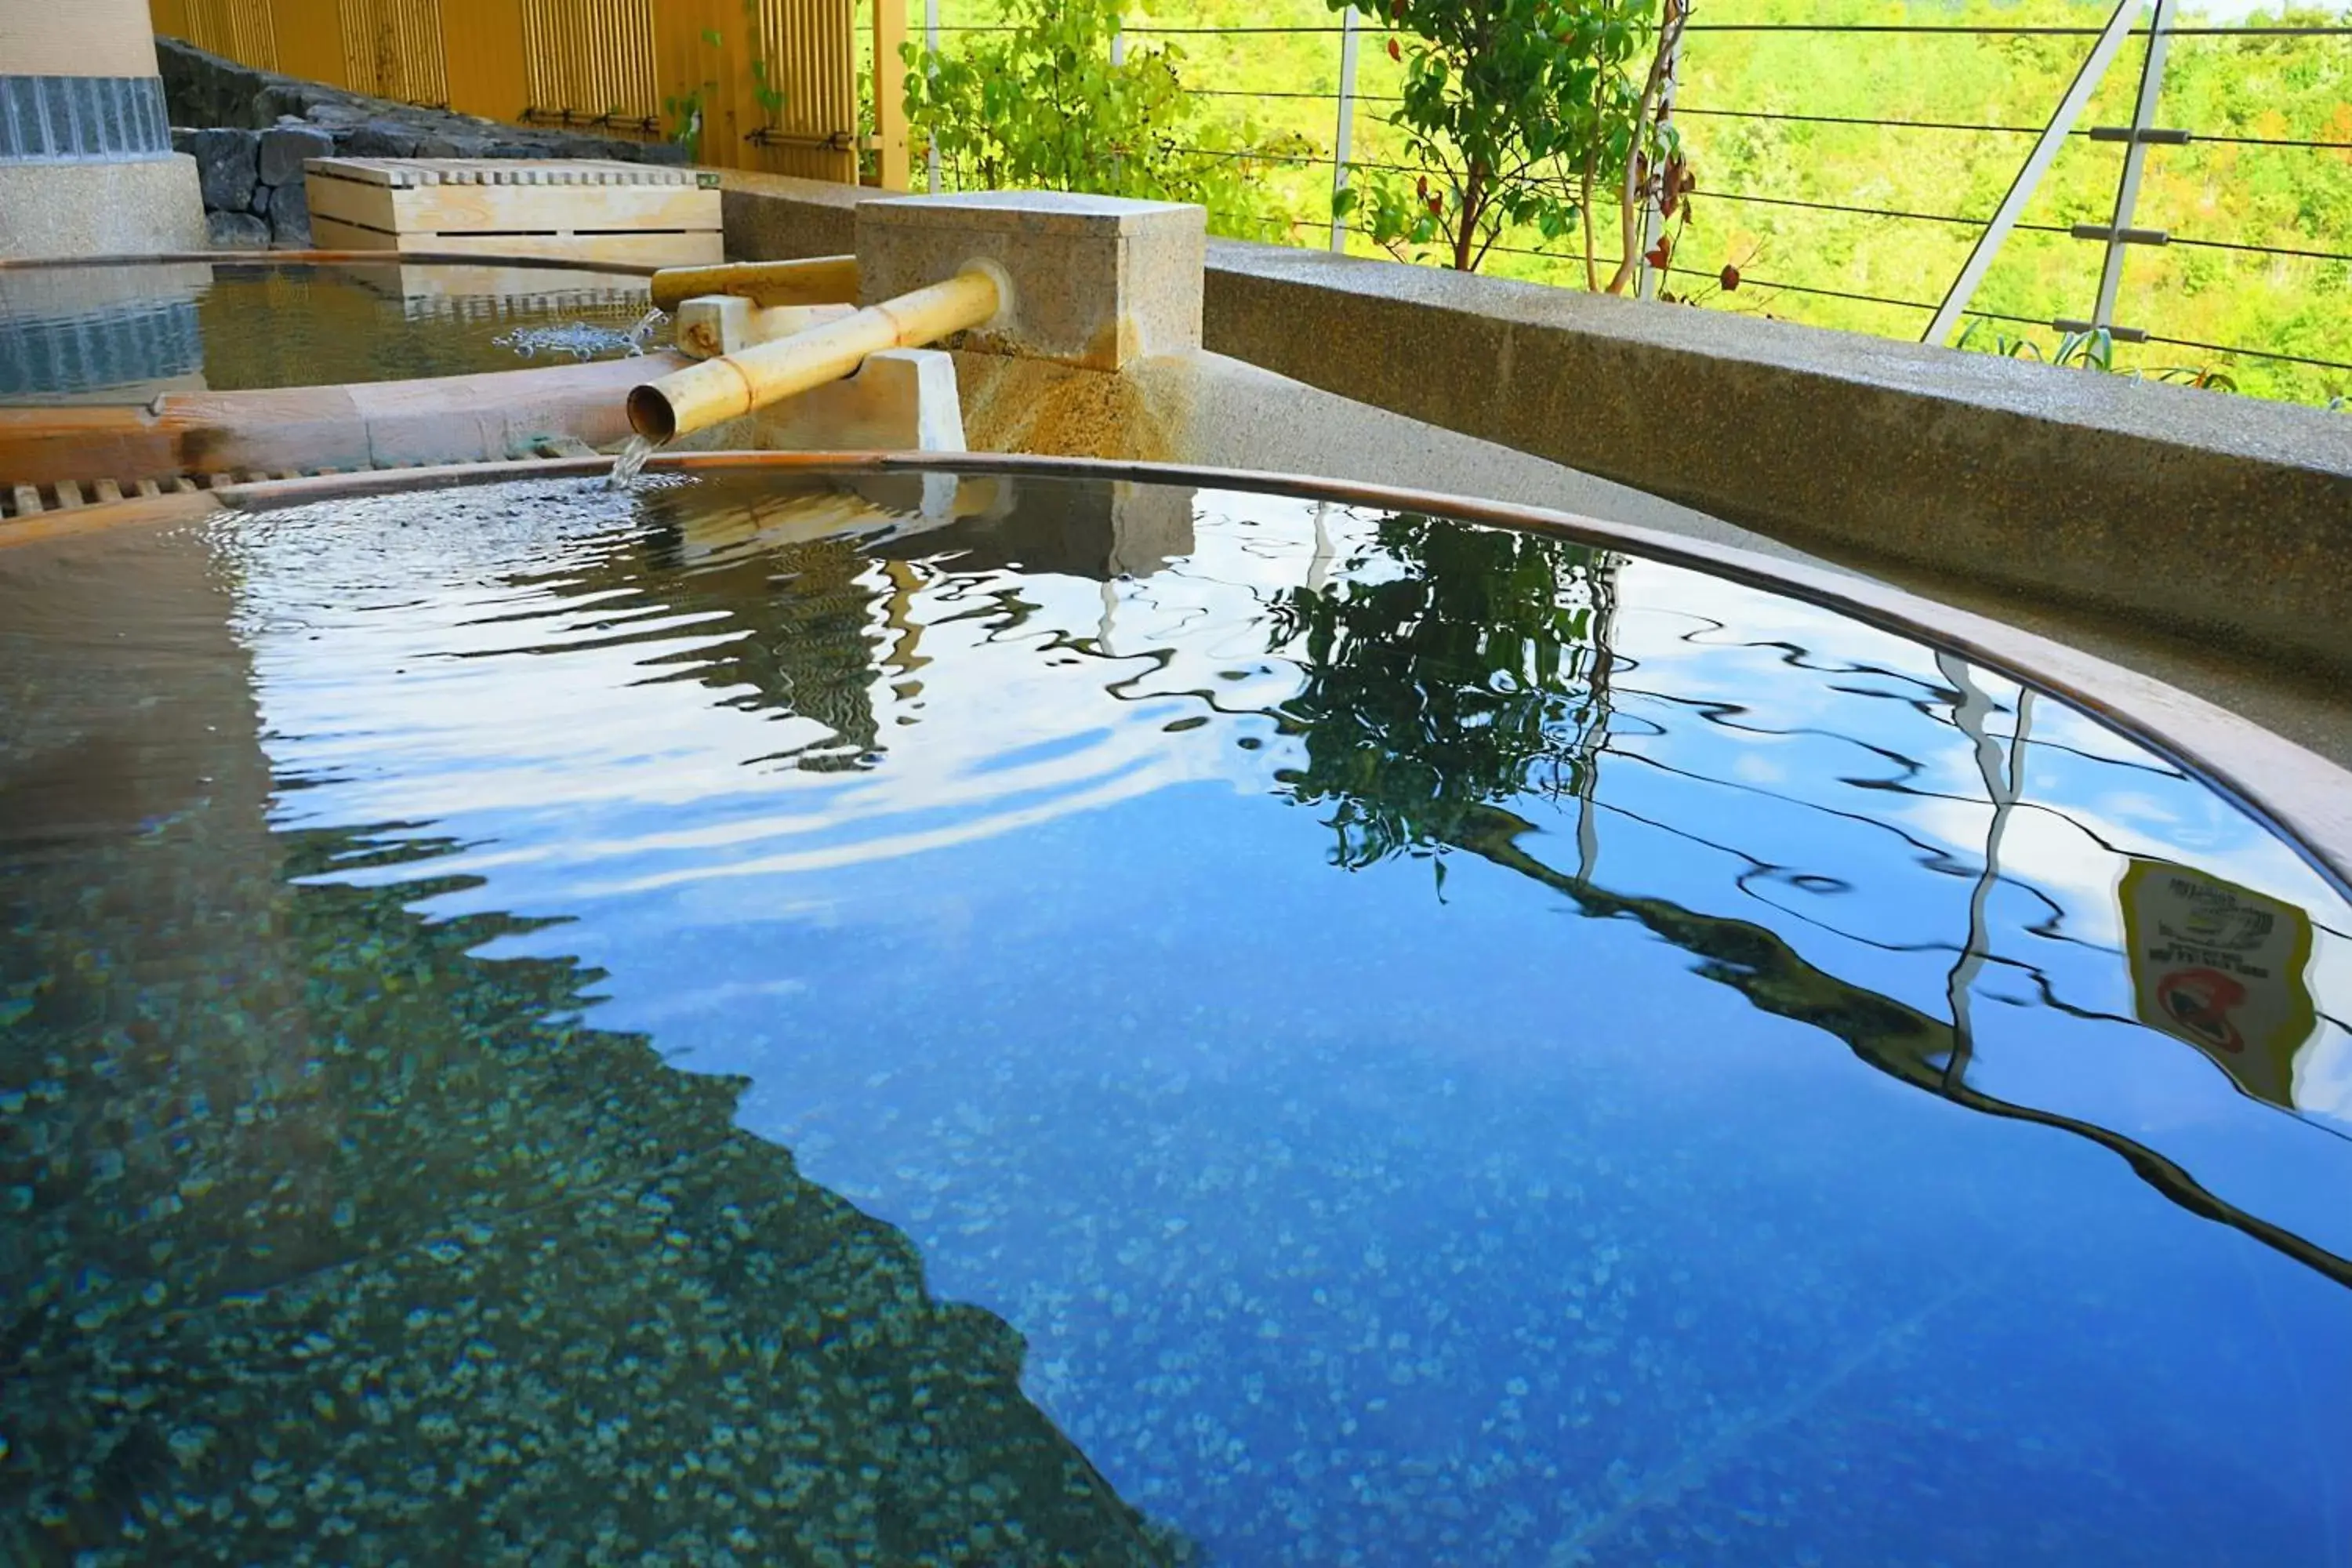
931	43
1343	140
2151	88
2029	175
1118	59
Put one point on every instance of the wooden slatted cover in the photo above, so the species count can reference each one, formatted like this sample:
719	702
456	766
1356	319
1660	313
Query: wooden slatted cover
586	210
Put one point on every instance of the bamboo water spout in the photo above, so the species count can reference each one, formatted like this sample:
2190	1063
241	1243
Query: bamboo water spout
736	384
815	281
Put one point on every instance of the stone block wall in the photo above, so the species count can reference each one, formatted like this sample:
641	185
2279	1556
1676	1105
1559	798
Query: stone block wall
250	131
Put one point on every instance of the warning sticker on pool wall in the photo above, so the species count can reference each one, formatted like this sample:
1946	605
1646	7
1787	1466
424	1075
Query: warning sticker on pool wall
2222	967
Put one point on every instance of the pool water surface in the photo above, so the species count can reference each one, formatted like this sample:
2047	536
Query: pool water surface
1035	1020
130	333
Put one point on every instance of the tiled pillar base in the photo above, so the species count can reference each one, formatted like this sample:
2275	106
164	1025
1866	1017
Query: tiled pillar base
110	208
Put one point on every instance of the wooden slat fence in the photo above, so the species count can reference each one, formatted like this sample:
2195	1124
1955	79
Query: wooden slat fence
642	69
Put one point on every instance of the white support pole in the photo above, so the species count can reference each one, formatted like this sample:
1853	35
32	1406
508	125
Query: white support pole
931	43
1971	715
2029	177
1117	59
1343	141
2151	88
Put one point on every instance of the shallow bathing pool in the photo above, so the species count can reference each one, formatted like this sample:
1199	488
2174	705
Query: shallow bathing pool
117	333
896	1019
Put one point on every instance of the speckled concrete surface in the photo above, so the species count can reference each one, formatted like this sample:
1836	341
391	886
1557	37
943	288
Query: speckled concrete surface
1093	281
124	208
1207	409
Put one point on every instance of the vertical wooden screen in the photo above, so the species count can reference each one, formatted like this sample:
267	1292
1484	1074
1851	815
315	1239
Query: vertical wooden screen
811	47
620	66
587	60
243	30
392	48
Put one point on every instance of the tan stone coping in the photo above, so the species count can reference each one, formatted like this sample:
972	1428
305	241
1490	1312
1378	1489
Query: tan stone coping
1030	212
2302	797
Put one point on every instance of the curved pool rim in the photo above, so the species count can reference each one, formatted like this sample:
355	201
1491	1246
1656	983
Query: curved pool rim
2301	797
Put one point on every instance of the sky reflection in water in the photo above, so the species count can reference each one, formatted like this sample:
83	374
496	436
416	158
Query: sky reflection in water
1442	1043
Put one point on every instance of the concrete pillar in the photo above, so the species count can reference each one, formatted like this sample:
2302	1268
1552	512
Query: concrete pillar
85	160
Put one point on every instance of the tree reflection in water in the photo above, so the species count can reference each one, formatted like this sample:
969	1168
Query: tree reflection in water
1460	671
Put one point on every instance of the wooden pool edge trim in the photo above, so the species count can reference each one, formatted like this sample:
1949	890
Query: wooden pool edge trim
108	517
2302	797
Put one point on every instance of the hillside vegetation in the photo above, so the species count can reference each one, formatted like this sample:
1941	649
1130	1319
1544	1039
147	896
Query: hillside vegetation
2235	91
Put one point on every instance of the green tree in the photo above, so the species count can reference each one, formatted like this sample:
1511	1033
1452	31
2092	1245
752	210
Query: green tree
1518	114
1040	106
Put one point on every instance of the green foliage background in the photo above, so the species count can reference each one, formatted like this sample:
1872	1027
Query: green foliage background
2290	198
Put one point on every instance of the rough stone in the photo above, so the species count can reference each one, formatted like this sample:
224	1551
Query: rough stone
236	231
379	139
226	166
202	89
287	148
290	217
337	114
205	90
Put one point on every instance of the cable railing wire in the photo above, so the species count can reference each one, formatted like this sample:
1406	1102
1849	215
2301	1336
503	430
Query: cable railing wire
1860	120
1874	212
1776	286
2252	249
1864	122
1684	109
1974	30
2250	354
1302	159
1928	29
1766	286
